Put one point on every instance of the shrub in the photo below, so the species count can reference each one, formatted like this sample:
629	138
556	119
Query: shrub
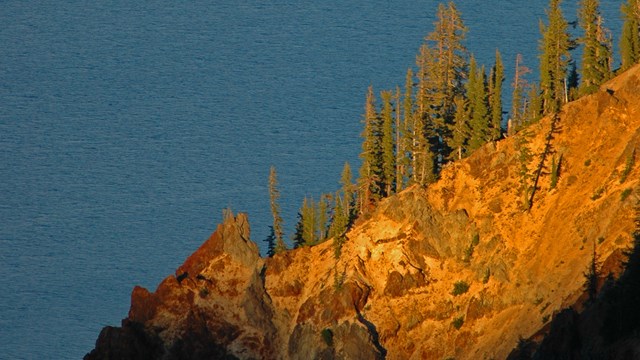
327	336
631	159
468	252
587	162
460	287
598	194
487	274
625	194
458	322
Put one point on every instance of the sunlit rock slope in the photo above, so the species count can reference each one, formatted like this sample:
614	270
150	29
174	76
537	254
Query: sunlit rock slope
399	287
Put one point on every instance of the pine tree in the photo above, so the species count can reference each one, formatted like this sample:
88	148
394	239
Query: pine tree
630	39
371	156
518	97
388	144
322	217
533	108
339	220
274	195
271	242
478	109
495	97
347	192
554	58
442	63
309	221
596	52
401	133
410	137
298	236
424	132
460	128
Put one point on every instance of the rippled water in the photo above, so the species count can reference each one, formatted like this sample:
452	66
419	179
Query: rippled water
126	128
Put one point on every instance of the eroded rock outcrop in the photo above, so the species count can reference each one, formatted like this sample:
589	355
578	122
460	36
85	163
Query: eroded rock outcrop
461	269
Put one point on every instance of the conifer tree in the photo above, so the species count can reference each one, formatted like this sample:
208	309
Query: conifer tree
388	144
596	52
478	109
343	204
371	168
401	132
322	217
298	236
347	192
630	39
442	63
460	128
518	97
309	222
495	97
339	220
554	58
271	242
274	195
410	128
424	133
533	108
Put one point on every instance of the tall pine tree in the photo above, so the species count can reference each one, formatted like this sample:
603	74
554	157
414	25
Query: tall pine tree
495	97
630	39
478	109
274	195
554	58
388	145
596	53
442	64
369	182
518	97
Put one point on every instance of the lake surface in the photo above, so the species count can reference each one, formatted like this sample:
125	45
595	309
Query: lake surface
126	128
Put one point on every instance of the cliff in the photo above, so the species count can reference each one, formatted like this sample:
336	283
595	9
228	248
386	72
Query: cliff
457	270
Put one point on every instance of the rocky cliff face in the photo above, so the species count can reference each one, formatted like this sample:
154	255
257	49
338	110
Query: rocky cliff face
457	270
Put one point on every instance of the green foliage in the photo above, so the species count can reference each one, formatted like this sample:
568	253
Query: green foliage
587	162
338	279
388	145
597	194
369	182
625	194
203	292
327	336
478	107
597	54
630	39
271	242
554	58
468	252
631	159
309	222
442	63
519	103
495	97
486	276
458	322
274	195
460	287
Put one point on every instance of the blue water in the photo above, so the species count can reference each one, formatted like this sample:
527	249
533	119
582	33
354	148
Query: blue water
126	128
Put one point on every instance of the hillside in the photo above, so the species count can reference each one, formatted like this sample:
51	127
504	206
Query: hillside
390	294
